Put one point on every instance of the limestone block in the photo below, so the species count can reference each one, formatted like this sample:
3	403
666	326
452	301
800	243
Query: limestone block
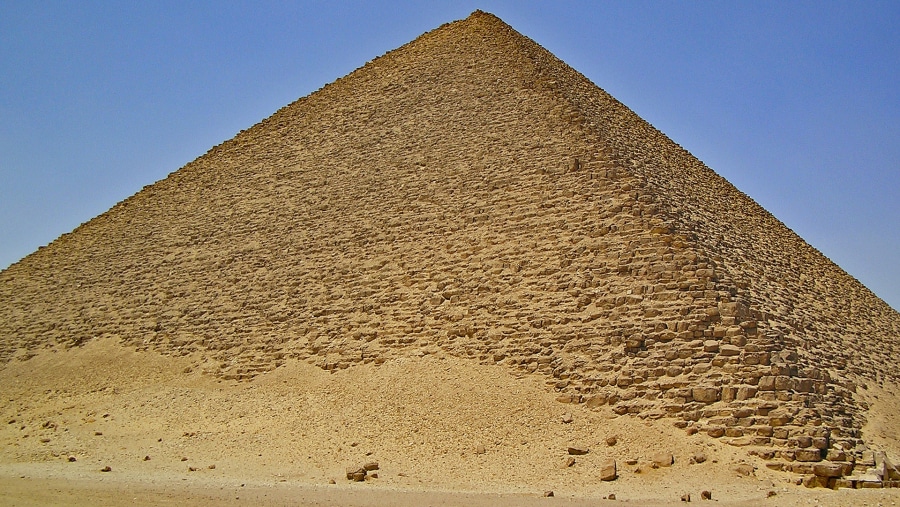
766	383
828	469
729	350
808	455
705	394
745	393
608	470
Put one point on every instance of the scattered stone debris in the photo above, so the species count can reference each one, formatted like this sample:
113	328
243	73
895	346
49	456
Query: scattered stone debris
548	493
356	474
107	468
611	496
567	418
706	495
744	469
611	441
212	467
359	473
770	494
570	462
698	457
479	449
72	459
577	450
147	458
686	497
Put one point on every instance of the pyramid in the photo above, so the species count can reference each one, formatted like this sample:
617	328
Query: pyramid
469	193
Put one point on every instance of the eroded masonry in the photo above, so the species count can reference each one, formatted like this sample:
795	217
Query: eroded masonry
469	192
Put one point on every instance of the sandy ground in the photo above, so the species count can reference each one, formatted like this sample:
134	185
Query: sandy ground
444	431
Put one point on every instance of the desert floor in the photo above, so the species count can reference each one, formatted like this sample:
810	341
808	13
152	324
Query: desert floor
444	431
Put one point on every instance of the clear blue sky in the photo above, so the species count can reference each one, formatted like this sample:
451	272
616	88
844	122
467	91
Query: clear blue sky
796	103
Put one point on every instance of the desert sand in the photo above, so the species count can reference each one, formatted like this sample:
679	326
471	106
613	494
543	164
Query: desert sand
444	431
465	263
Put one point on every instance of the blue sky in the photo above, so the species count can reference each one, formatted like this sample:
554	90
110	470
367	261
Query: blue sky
796	103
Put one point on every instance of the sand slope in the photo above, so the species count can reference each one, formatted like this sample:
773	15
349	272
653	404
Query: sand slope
290	432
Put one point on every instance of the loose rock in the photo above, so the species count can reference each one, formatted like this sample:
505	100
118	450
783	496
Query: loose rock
578	451
356	474
663	459
608	470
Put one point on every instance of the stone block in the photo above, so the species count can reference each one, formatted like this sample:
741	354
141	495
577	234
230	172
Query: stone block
608	470
729	350
808	455
705	394
828	469
745	393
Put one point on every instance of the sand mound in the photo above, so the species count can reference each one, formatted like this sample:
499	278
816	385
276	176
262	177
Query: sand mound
434	423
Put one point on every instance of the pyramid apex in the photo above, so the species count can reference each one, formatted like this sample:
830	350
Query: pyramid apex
481	15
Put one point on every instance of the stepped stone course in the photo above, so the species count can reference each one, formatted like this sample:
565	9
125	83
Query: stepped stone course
470	194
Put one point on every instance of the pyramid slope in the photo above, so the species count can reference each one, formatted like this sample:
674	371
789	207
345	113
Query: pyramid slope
470	193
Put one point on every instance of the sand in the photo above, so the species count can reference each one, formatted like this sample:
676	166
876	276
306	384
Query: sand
172	435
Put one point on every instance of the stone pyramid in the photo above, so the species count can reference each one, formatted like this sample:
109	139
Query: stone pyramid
472	194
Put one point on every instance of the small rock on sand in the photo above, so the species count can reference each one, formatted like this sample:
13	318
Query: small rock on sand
608	470
662	459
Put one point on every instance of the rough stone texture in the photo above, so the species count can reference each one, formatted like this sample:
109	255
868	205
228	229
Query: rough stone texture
472	194
608	470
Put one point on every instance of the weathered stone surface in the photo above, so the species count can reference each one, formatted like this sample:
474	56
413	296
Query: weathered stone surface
608	470
808	455
662	459
587	247
828	469
729	350
705	394
356	473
